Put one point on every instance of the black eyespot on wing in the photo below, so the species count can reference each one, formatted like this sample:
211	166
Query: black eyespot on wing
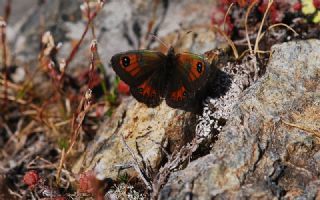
125	61
199	67
134	67
193	71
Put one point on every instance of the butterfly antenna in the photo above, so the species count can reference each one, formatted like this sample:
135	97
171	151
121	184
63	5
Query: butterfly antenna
159	40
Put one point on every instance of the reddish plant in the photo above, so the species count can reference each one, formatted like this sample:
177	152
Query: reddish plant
31	178
297	6
91	76
99	110
241	3
276	11
88	183
123	88
275	15
316	3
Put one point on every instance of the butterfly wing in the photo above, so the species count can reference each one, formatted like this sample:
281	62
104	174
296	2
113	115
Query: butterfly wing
135	67
189	74
143	71
194	70
150	91
177	96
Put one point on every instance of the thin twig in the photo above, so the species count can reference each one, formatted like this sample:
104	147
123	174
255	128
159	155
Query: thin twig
173	163
235	51
259	51
225	16
7	10
246	24
152	19
136	163
63	155
94	49
20	101
15	194
3	25
256	46
76	47
276	25
76	124
316	133
10	84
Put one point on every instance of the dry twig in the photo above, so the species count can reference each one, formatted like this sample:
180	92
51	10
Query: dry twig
136	166
256	46
301	127
246	24
173	163
230	42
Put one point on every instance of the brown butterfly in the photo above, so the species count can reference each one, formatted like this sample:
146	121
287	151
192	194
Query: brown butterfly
153	76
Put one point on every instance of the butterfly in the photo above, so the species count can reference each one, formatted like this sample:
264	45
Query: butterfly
154	76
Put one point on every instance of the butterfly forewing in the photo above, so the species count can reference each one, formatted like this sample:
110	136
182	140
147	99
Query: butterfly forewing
135	67
189	74
193	70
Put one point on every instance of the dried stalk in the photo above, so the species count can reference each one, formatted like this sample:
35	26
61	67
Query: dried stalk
246	24
256	46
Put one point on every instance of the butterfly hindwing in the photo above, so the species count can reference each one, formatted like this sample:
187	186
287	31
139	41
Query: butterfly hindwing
150	91
135	67
177	95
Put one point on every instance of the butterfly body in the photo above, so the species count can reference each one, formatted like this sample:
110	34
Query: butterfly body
153	76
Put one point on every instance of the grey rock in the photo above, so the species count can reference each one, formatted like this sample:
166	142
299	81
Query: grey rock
269	147
30	19
147	132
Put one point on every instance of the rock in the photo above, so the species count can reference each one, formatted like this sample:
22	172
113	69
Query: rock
147	131
269	147
29	19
